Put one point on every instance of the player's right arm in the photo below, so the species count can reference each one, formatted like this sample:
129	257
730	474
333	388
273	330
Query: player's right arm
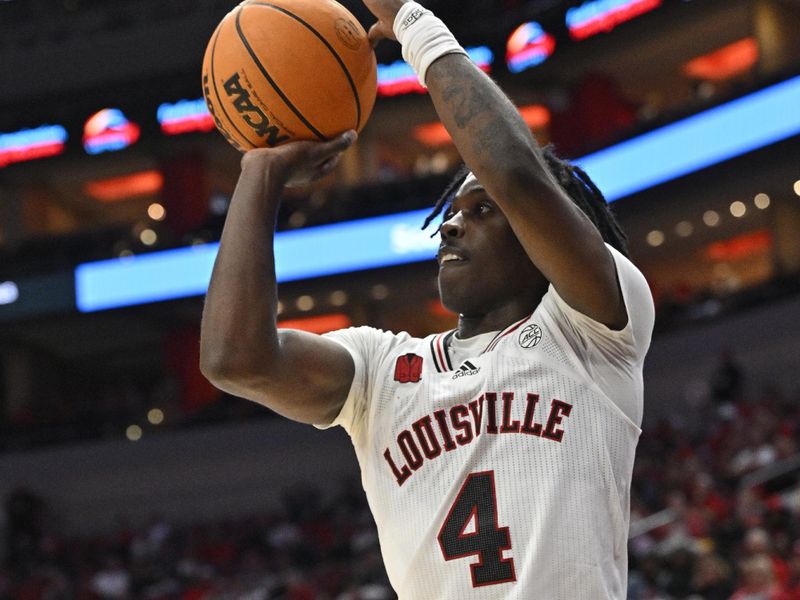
299	375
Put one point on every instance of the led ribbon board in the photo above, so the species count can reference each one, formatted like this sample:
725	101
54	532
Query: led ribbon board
751	122
301	254
185	116
528	46
399	78
598	16
754	121
109	130
30	144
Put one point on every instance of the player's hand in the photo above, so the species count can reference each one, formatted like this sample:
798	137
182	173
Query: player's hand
385	11
299	163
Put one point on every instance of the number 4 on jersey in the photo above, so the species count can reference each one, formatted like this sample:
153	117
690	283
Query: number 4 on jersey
476	503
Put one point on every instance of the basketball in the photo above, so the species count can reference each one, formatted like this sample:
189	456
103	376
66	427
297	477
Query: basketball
288	70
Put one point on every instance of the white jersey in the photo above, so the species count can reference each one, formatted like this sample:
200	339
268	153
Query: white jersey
506	474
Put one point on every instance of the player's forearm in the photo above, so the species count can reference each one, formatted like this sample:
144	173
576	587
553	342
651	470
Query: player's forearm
487	129
238	332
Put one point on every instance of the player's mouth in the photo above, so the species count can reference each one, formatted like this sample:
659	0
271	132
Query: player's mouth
450	256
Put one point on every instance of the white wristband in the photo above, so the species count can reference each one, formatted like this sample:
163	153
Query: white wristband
424	38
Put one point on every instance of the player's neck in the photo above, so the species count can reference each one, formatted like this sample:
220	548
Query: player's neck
494	320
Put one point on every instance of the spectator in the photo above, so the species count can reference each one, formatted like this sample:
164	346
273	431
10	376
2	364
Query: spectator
758	581
712	579
726	382
113	582
24	519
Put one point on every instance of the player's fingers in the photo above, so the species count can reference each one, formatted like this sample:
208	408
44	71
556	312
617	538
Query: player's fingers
377	33
329	165
338	144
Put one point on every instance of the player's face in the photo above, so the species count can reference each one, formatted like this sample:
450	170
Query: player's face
482	265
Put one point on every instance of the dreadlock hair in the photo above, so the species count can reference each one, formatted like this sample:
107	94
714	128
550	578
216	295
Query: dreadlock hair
575	182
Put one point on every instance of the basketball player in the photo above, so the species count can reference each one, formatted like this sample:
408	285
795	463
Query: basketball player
497	457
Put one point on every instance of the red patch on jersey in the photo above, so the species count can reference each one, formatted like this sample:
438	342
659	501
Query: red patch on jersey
408	368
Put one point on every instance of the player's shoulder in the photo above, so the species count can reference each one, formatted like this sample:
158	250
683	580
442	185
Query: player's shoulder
627	271
632	282
372	338
581	332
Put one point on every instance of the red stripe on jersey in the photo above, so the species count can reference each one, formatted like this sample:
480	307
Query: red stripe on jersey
493	344
446	345
433	356
441	358
441	353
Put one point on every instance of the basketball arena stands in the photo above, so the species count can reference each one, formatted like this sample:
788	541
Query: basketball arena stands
124	474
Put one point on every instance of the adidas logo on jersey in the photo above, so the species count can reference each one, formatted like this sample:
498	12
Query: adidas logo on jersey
466	369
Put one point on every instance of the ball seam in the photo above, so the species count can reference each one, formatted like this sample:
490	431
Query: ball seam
220	103
330	48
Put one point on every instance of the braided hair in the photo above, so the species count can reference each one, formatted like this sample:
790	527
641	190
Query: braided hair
575	182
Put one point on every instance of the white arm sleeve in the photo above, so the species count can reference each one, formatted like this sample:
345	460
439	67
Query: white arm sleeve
614	359
368	347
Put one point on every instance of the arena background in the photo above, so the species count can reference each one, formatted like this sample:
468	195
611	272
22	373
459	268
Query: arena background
124	474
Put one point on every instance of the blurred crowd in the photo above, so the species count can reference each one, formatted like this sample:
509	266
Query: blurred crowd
308	550
715	515
719	489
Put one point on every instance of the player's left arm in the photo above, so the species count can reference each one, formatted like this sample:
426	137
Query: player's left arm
498	147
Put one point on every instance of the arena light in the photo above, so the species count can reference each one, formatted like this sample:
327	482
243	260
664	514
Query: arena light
9	292
711	218
536	116
599	16
432	134
762	201
184	116
746	124
114	189
528	46
399	78
724	63
756	242
108	130
702	140
435	134
30	144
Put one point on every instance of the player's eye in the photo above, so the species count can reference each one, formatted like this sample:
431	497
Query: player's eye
484	207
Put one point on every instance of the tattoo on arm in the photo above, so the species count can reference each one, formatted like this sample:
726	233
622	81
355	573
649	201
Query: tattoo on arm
466	102
485	125
484	140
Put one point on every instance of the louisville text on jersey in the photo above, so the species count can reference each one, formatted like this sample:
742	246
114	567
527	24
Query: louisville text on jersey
446	430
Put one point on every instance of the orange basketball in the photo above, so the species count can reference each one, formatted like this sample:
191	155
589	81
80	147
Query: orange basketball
287	70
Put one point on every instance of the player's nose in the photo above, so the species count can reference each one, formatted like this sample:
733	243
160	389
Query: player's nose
453	227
